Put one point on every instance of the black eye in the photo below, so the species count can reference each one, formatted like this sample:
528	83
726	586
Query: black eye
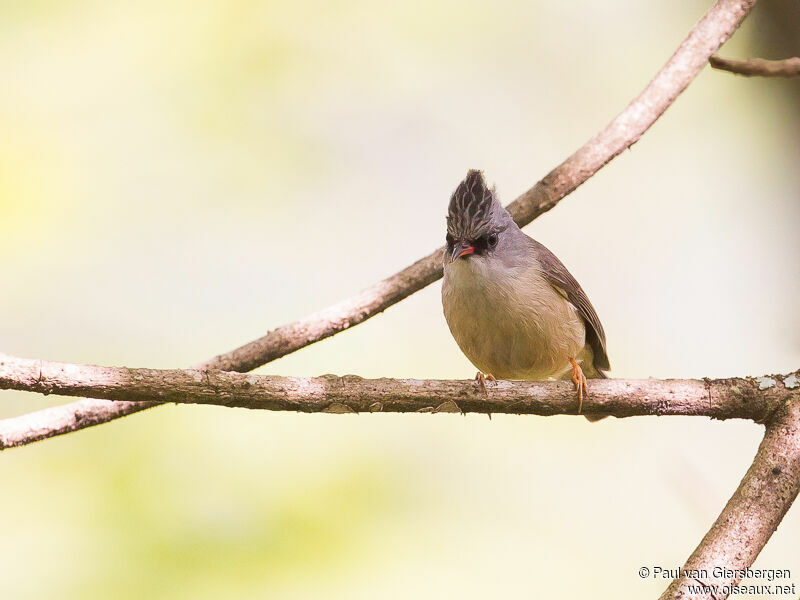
491	240
449	239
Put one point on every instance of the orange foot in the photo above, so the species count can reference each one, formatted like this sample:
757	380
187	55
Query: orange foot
481	378
579	379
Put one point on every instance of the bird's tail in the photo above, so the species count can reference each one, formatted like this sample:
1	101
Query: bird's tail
594	418
596	374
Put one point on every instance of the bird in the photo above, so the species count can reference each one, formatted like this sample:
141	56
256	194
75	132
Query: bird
512	307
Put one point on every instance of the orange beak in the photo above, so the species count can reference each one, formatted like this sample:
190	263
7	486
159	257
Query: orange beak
461	249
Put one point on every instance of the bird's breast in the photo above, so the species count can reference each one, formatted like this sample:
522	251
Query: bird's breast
510	322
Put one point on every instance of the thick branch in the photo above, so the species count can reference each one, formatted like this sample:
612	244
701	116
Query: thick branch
744	398
752	514
758	67
707	36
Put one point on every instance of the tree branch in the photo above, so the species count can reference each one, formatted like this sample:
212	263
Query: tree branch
752	514
735	398
758	67
625	130
691	56
734	541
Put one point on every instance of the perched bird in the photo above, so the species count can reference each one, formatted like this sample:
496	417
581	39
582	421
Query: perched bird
512	307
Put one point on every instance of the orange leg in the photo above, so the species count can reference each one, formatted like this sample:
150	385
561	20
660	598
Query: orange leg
579	379
481	379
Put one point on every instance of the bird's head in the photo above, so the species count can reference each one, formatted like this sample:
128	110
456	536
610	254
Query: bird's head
475	220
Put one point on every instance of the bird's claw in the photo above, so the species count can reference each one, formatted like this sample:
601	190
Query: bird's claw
579	379
481	379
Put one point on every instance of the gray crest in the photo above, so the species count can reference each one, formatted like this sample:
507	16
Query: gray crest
473	209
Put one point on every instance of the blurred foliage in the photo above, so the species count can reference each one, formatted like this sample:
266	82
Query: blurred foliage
175	179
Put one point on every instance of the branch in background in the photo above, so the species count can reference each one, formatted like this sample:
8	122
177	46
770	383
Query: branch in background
707	36
752	514
624	131
758	67
737	398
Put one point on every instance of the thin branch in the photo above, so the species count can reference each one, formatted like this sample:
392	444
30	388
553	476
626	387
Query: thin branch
735	398
752	514
625	130
708	35
758	67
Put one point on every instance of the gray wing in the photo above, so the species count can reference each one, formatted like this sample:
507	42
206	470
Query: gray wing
565	284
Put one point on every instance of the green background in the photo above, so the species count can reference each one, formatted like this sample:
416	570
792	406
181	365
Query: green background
178	178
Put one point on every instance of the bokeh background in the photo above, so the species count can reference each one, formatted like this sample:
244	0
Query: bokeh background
178	178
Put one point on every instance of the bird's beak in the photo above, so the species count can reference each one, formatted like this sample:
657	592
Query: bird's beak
461	249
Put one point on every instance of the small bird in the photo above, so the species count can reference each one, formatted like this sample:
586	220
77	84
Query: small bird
512	307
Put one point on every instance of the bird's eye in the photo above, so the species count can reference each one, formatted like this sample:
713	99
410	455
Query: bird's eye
491	240
449	239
